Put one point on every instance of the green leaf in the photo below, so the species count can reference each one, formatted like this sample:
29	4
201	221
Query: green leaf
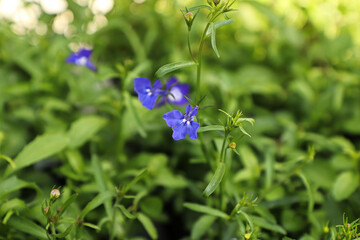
83	129
211	128
75	160
13	204
64	234
148	225
9	160
152	206
126	212
213	39
194	9
168	68
258	221
244	131
207	210
97	201
93	226
345	184
25	225
217	25
131	108
141	175
215	180
68	202
201	226
13	184
40	148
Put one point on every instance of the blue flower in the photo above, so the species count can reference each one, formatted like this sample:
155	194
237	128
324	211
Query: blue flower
82	58
175	93
147	94
183	123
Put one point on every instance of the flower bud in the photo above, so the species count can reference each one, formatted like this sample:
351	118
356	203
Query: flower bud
247	235
189	16
46	209
54	194
326	229
232	145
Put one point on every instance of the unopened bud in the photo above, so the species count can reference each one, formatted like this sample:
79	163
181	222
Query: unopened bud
55	194
247	235
232	145
189	16
46	209
326	229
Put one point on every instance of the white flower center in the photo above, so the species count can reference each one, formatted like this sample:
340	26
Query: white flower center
81	61
148	91
175	94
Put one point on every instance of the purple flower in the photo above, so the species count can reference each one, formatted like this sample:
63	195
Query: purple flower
147	94
82	58
175	93
183	123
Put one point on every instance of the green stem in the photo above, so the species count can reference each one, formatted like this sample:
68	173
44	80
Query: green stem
189	47
199	62
112	235
53	231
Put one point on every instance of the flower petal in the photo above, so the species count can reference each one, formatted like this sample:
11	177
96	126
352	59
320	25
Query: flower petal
173	118
148	100
177	94
171	82
72	58
141	85
157	85
84	52
194	111
188	109
179	132
90	65
192	128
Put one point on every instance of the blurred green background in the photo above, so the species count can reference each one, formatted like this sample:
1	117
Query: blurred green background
292	65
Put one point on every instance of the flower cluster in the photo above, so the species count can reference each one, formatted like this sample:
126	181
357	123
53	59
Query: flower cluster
153	96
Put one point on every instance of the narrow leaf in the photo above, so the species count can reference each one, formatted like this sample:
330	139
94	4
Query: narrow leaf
9	160
93	226
207	210
97	201
211	128
345	184
25	225
215	180
141	175
148	225
68	202
258	221
40	148
213	39
168	68
83	129
13	204
126	212
217	25
201	226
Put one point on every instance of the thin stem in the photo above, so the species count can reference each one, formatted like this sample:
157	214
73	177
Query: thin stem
199	62
53	231
189	47
112	235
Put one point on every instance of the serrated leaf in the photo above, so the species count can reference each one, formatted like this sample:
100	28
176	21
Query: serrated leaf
201	226
207	210
345	184
168	68
213	39
215	180
97	201
25	225
148	225
83	129
217	25
211	128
